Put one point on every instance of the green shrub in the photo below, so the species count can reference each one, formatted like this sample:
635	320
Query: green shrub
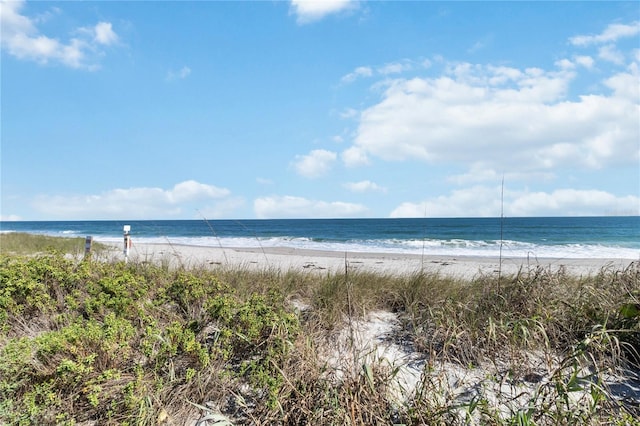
117	343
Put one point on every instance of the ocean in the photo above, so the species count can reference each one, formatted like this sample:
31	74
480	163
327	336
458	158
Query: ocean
615	237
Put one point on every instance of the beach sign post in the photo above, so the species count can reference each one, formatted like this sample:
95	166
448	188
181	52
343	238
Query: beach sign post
127	241
87	245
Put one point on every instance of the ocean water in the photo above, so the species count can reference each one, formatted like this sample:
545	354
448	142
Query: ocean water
616	237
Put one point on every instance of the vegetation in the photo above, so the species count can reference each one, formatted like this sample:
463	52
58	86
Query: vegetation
24	243
141	344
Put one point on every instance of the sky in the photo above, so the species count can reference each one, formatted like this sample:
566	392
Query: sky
324	109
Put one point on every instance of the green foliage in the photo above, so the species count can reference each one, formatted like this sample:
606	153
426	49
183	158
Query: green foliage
113	341
116	343
630	310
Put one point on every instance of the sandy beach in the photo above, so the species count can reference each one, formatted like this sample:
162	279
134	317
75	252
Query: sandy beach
284	258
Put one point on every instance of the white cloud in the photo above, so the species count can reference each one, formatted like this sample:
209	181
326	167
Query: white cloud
20	38
626	84
483	201
47	15
477	201
364	186
104	33
384	70
355	156
357	73
182	73
609	53
511	119
315	164
565	64
479	173
191	190
308	11
395	67
12	21
131	203
572	202
222	209
611	34
349	113
302	208
585	61
10	218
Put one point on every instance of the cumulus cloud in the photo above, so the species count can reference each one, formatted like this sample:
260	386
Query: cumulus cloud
131	203
10	218
349	113
585	61
221	209
308	11
477	201
191	190
565	64
610	53
611	34
364	186
357	73
508	117
625	84
572	202
104	33
317	163
21	39
521	121
383	70
478	172
299	207
355	156
395	67
484	201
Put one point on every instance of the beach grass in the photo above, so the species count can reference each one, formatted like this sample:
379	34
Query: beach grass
103	342
25	243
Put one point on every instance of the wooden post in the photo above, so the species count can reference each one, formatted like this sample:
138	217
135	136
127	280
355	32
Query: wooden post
87	245
127	241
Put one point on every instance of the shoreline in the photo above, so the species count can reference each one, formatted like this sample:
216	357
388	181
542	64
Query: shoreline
287	258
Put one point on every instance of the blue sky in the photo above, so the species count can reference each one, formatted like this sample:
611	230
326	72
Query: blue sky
274	109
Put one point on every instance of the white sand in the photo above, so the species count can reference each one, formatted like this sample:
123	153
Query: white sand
370	341
283	258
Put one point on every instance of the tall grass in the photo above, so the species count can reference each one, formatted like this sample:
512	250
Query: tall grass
138	343
24	243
